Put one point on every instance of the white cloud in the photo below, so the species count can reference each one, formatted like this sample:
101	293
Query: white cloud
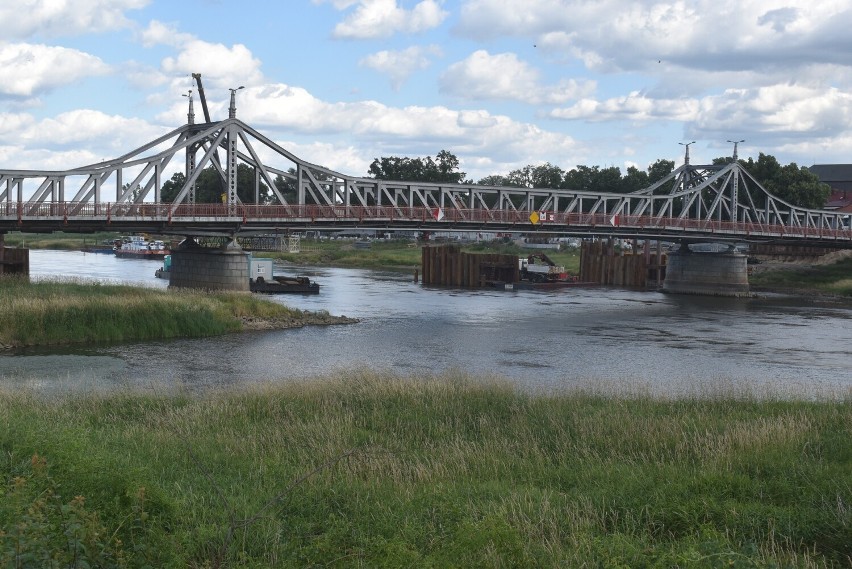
221	66
13	123
633	107
161	33
111	134
503	76
399	65
413	130
614	35
30	69
383	18
52	18
790	110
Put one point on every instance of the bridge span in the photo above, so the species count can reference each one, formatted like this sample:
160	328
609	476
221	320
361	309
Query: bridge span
701	202
693	203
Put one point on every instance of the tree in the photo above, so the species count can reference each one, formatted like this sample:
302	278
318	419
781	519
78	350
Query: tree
172	187
659	170
634	180
418	169
521	178
493	180
547	176
796	185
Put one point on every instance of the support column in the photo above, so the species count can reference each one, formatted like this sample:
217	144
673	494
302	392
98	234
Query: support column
712	274
194	266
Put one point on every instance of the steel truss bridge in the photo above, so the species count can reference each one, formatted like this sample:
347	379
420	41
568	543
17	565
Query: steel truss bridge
709	202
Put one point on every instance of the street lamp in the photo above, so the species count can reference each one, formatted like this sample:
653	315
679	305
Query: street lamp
232	110
686	157
190	117
735	142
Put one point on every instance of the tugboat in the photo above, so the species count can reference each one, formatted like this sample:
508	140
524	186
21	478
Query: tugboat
138	247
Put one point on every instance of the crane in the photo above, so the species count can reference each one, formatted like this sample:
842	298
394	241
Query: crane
197	77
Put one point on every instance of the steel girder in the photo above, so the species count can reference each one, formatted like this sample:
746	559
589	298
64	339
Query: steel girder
702	193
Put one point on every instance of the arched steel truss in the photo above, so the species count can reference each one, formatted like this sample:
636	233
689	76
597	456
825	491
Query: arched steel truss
705	200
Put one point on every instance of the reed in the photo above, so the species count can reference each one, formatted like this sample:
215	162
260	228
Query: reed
369	469
61	312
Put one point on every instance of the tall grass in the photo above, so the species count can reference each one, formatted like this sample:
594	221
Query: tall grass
59	240
835	278
60	312
367	469
402	254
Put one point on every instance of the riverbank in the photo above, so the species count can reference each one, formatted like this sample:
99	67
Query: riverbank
829	277
375	470
62	312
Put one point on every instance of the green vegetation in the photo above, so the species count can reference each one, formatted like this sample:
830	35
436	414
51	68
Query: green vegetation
369	470
401	254
833	279
59	240
61	312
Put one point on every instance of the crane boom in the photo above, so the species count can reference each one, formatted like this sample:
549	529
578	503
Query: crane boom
197	77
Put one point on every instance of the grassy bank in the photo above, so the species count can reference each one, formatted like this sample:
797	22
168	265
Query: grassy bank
365	470
45	313
59	240
400	254
834	279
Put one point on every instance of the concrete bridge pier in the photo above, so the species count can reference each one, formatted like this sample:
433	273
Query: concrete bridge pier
708	273
225	268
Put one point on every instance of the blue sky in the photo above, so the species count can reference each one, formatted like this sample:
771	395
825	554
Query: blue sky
500	83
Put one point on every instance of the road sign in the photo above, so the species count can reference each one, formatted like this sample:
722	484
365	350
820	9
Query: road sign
534	218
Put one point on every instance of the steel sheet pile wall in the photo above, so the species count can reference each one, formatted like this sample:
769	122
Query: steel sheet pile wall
601	263
14	261
448	265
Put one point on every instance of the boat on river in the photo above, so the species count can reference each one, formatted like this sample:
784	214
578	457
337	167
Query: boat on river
165	271
275	284
282	285
138	247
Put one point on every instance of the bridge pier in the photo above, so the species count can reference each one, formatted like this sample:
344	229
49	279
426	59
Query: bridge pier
707	273
224	268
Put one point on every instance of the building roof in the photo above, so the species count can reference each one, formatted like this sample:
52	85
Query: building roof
832	172
839	199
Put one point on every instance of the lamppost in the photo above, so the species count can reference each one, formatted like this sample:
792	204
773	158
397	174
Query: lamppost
232	110
190	117
735	143
686	156
735	187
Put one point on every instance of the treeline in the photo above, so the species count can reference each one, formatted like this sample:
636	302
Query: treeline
792	183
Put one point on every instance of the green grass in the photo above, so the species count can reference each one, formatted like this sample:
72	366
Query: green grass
59	240
62	312
400	254
368	470
835	278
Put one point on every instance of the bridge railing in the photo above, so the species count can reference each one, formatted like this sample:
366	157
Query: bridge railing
65	212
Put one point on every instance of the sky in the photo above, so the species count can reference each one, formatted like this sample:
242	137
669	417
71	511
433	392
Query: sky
499	83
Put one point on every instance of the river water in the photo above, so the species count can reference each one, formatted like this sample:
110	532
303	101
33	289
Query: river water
544	341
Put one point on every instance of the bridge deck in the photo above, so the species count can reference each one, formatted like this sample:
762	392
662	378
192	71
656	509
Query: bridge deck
197	219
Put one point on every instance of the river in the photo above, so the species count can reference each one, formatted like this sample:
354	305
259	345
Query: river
543	341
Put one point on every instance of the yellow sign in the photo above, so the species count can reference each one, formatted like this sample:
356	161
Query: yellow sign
534	217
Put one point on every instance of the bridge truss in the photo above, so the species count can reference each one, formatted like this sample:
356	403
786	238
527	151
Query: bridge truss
710	201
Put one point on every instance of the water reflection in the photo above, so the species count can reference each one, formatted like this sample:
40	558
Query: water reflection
542	340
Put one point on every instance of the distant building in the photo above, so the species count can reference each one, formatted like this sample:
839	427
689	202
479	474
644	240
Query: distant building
839	177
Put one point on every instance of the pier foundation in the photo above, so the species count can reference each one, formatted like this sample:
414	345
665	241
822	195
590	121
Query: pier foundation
706	273
13	260
224	268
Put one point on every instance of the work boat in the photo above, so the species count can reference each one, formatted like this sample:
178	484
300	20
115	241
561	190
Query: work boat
137	247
